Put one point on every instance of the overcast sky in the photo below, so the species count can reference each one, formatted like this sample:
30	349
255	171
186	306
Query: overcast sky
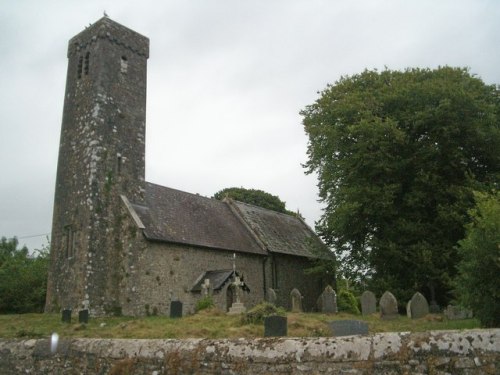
226	82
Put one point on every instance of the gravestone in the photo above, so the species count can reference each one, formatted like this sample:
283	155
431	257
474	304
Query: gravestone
388	305
176	309
296	300
418	306
408	309
83	316
271	296
66	316
205	288
348	327
368	303
456	312
275	326
327	301
237	307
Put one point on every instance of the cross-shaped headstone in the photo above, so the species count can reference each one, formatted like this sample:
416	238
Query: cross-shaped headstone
237	284
206	287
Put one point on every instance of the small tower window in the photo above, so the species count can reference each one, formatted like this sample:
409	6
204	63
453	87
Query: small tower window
69	241
124	64
87	60
80	67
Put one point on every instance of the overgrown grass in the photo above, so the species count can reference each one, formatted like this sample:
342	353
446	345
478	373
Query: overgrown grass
209	323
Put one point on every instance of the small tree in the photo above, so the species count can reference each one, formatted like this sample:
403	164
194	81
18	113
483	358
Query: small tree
478	280
23	278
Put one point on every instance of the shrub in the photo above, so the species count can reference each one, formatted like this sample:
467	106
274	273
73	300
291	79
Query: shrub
257	314
204	303
346	302
478	283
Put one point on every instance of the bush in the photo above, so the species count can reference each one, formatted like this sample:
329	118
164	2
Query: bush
204	303
258	313
346	302
23	278
478	283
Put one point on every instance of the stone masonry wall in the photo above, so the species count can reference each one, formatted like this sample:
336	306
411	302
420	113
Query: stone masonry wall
438	352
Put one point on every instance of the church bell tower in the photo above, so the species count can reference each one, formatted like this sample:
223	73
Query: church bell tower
101	157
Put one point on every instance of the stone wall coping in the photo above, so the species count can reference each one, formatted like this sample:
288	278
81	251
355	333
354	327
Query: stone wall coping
285	349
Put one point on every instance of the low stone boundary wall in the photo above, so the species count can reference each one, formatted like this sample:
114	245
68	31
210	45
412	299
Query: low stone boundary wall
435	352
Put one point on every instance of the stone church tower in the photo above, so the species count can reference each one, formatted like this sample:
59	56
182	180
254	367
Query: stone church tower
101	157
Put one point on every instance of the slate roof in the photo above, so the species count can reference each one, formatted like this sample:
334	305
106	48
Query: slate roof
281	233
174	216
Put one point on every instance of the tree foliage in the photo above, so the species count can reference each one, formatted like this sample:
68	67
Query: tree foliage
255	197
478	280
398	155
23	278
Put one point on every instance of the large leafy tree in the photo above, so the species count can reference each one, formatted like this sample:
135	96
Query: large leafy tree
478	281
23	278
255	197
398	154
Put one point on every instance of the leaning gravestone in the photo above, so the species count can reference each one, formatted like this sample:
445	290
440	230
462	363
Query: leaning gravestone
271	296
368	303
418	306
327	301
83	316
275	326
388	306
348	327
296	300
66	316
176	309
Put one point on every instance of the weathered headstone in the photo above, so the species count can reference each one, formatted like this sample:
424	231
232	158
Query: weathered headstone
456	312
237	307
83	316
176	309
388	305
296	300
66	316
418	306
348	327
271	296
205	288
275	326
368	303
327	301
408	309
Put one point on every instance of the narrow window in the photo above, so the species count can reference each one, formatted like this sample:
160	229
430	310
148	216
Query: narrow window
118	163
124	64
87	60
80	66
68	241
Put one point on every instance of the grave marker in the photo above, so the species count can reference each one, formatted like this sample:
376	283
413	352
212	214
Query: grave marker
348	327
388	306
66	316
176	309
368	303
296	300
275	326
418	306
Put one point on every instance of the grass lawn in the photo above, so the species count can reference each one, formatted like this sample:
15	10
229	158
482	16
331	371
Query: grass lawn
207	324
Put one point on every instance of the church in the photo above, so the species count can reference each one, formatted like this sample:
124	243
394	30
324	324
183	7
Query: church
124	246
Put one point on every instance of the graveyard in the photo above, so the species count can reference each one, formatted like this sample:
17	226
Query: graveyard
212	324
